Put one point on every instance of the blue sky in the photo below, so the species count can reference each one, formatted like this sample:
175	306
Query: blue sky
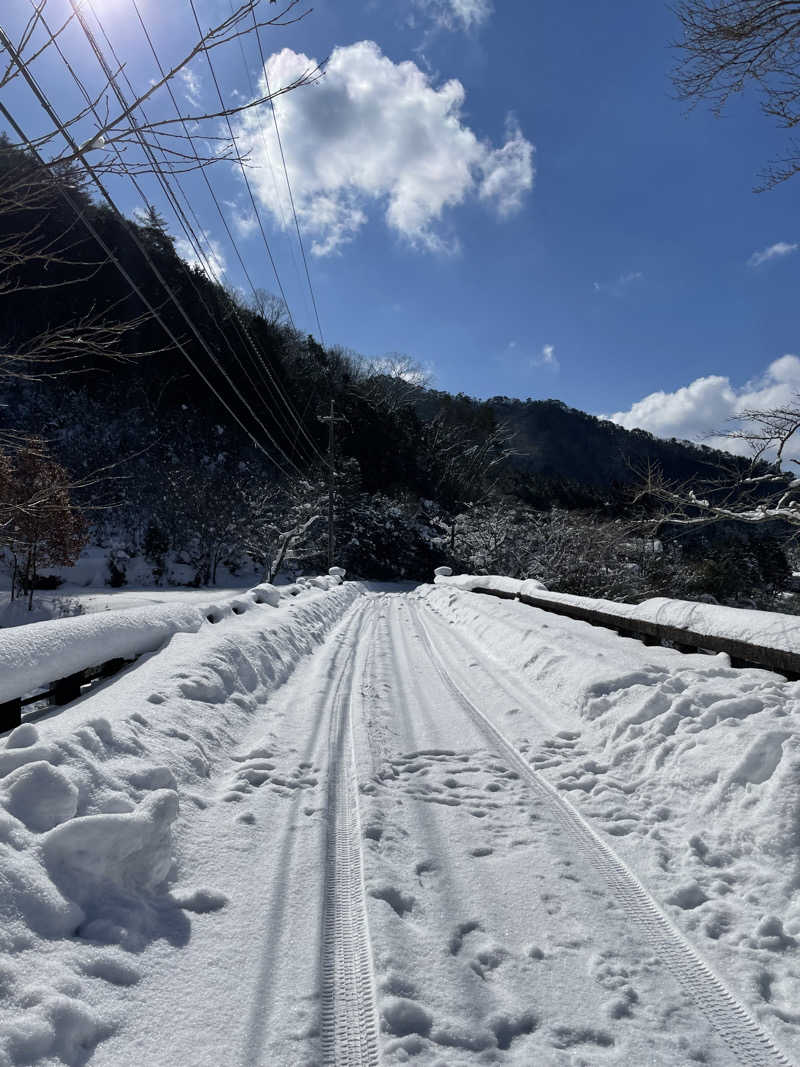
509	195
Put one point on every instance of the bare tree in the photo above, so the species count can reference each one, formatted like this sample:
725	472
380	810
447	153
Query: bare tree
39	524
272	309
391	382
114	131
463	464
729	45
108	131
754	488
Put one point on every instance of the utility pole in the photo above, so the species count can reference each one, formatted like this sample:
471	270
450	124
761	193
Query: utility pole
331	420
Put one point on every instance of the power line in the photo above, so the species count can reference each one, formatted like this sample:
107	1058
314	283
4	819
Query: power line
192	237
194	242
248	186
162	179
49	110
239	159
286	173
275	383
275	190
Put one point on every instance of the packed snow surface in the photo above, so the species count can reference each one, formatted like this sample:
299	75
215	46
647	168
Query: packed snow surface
351	827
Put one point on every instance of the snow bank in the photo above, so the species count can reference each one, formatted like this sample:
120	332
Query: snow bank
690	766
768	629
91	803
33	656
497	582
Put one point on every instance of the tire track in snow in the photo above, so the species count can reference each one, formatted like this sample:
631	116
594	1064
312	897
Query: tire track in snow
349	1014
743	1034
332	667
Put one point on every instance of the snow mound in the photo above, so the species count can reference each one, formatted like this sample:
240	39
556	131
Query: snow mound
40	795
768	629
498	582
90	802
88	858
33	656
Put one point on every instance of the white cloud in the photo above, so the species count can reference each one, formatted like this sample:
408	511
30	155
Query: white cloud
192	85
214	257
244	221
703	407
776	251
457	14
547	358
508	171
377	133
619	284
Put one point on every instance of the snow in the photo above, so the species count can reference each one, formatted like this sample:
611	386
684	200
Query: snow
35	655
462	784
690	766
497	582
768	629
89	812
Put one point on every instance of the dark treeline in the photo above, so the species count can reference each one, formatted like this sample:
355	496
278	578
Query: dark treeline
417	470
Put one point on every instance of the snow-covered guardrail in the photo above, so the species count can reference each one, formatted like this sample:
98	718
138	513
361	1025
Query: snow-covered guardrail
751	638
52	660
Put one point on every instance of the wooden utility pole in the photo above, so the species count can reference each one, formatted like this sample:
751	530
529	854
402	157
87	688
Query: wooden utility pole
331	420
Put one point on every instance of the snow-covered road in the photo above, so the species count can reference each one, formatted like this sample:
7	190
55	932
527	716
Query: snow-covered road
385	862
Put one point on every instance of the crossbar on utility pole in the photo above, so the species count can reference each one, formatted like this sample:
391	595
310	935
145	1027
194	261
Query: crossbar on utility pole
331	420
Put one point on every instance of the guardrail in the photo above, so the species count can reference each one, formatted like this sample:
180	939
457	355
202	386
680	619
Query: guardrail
742	653
63	691
52	661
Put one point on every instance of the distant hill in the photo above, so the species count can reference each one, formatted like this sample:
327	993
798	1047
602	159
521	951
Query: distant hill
257	381
557	441
555	444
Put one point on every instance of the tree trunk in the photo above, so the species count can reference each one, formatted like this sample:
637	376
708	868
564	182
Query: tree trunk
278	563
30	574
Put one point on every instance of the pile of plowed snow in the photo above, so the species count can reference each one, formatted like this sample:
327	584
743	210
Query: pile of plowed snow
32	656
691	767
91	805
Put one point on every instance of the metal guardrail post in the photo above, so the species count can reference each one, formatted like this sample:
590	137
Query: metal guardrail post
10	714
111	667
66	689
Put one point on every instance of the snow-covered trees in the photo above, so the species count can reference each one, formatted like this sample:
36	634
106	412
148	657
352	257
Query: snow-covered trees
583	553
279	521
756	489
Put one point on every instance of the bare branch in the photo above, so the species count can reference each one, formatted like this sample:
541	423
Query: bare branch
728	45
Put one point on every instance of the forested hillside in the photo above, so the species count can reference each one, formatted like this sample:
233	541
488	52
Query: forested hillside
218	456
